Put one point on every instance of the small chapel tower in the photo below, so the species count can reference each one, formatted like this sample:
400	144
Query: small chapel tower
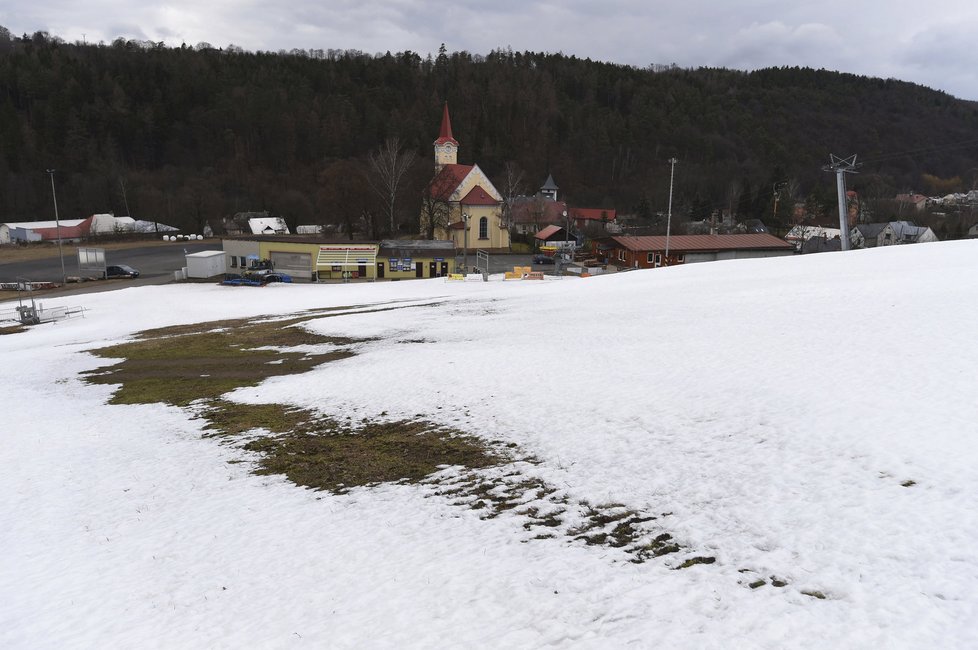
446	147
549	189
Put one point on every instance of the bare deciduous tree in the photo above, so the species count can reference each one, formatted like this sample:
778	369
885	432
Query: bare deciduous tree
512	186
343	197
435	211
389	165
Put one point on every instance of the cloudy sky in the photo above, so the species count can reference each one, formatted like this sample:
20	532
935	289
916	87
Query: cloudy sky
931	43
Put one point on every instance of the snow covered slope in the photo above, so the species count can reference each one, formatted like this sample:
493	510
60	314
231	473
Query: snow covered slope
810	418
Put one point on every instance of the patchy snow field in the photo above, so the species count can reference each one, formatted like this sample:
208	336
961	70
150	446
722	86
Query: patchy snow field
811	418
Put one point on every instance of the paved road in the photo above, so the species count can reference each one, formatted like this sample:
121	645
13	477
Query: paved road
503	263
152	261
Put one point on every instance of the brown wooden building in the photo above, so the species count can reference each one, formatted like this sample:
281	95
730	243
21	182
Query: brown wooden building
628	251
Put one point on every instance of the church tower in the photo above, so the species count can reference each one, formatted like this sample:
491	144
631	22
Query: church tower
446	147
549	189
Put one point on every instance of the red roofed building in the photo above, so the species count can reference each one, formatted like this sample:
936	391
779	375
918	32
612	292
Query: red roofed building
583	216
69	230
918	201
531	213
461	204
649	252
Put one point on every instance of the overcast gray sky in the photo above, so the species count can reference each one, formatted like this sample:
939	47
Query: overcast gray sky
931	43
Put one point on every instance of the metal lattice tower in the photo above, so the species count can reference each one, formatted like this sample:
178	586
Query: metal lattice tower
841	167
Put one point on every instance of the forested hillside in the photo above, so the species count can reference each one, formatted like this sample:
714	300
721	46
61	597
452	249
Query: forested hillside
194	134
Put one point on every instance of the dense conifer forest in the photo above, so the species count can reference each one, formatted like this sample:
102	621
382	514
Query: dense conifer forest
192	134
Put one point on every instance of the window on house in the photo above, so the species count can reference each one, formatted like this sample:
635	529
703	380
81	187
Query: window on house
484	228
244	262
650	258
681	258
234	261
658	259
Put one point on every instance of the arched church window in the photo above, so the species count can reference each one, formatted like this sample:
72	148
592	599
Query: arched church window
484	228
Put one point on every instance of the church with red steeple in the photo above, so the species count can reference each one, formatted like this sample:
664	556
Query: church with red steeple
461	203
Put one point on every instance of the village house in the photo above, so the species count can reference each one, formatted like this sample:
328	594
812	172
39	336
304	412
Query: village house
531	214
871	235
916	201
798	235
255	223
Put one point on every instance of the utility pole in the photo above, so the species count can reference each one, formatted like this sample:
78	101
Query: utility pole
841	167
672	176
57	222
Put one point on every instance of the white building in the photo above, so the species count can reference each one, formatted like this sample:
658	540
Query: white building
205	264
268	226
800	234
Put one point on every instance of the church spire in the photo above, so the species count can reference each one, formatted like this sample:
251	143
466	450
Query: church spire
446	147
445	134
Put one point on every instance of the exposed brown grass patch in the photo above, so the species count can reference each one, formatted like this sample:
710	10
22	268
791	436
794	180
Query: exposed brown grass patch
181	364
231	419
337	458
199	363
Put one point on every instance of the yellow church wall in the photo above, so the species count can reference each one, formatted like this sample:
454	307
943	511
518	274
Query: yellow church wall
498	237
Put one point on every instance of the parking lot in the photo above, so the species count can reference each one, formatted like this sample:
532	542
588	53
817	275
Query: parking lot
155	262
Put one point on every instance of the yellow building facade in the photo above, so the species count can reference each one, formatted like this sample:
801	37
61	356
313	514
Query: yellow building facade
313	260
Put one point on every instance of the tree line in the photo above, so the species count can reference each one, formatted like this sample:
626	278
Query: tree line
189	135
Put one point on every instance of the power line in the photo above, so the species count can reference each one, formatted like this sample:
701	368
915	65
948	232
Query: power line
926	150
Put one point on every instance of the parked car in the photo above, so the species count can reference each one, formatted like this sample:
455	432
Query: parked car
121	271
542	259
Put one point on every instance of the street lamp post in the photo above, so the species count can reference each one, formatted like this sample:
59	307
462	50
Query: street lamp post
57	223
566	231
465	245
